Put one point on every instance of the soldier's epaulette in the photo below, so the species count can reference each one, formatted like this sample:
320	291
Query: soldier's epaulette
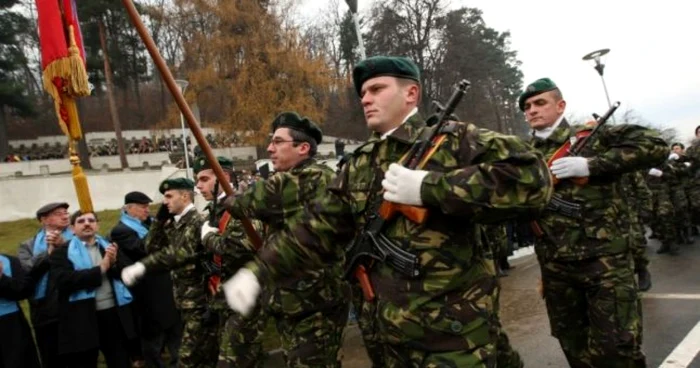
364	147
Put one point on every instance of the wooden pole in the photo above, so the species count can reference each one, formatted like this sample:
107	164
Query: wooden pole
187	112
110	97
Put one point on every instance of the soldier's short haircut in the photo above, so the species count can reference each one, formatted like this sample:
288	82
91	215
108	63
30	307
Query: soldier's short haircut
79	213
404	82
300	137
190	193
557	94
679	144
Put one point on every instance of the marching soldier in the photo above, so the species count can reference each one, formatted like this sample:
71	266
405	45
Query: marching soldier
693	153
241	338
587	275
174	243
443	313
662	222
680	177
639	202
310	306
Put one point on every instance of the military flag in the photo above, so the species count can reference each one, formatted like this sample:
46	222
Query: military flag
64	77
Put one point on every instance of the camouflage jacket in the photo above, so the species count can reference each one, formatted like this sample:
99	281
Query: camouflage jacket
637	195
275	202
693	155
679	181
475	176
232	245
176	246
600	230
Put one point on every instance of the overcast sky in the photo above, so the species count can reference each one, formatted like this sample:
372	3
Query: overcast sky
652	67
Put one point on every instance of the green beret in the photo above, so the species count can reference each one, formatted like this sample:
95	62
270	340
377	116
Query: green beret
293	121
378	66
200	163
541	85
177	183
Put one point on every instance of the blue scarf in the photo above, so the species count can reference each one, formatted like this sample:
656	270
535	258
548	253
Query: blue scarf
7	306
79	256
134	224
40	246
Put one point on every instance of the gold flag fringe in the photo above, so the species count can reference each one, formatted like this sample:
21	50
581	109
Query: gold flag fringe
80	181
75	84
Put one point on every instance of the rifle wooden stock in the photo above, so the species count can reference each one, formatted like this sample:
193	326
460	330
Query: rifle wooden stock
187	112
363	279
578	181
417	215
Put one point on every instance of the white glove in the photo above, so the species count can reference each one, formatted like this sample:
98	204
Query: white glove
570	167
206	229
673	156
133	273
242	291
687	164
402	185
656	172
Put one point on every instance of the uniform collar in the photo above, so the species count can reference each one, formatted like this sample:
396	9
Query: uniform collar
184	212
407	132
546	132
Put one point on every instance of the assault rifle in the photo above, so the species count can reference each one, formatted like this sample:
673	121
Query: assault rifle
373	246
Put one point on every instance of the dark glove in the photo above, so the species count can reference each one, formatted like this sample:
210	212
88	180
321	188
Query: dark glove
163	213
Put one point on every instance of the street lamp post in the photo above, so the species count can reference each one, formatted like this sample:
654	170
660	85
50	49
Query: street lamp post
599	67
353	9
183	85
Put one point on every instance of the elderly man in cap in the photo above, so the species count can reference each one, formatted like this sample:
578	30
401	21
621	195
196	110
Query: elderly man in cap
157	317
585	258
174	244
34	256
310	306
241	338
445	315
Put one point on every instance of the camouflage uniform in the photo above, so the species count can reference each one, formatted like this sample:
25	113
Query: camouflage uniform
310	307
661	222
679	182
497	240
176	246
693	154
639	202
587	275
241	338
446	316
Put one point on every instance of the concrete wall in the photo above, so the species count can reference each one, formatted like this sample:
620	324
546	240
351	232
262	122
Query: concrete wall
21	197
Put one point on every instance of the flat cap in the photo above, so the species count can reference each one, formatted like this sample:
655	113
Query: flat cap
201	163
293	121
137	197
541	85
177	183
379	66
47	208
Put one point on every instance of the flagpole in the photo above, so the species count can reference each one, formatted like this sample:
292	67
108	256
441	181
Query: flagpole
187	112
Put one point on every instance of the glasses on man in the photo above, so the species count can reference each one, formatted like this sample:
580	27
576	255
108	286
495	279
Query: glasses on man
278	141
84	220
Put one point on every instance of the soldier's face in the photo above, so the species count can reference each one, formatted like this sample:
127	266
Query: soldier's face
56	219
677	150
543	110
284	152
386	101
86	226
176	201
205	183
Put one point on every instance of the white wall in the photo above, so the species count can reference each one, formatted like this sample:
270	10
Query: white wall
21	197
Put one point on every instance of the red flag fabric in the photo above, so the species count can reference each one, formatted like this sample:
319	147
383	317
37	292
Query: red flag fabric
62	60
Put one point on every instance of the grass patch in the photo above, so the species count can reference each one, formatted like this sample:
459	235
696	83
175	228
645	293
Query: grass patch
12	233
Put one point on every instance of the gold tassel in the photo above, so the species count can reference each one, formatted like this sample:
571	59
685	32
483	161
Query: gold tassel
80	181
78	83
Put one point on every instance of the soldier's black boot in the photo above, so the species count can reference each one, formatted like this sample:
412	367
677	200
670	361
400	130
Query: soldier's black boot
694	230
643	279
688	236
674	249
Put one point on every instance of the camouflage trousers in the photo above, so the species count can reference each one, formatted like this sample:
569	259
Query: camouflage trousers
314	340
367	322
200	340
663	222
638	245
467	333
241	339
595	312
